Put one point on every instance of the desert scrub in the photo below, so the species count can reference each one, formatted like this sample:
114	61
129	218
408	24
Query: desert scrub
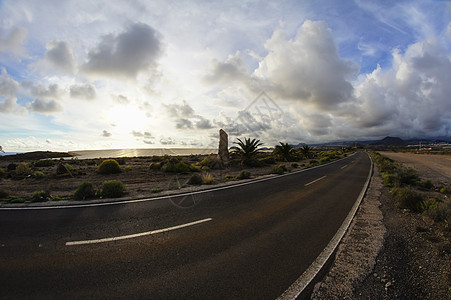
64	169
109	166
324	160
40	196
406	197
269	160
244	175
179	167
113	189
38	175
442	213
85	191
2	173
4	194
312	163
229	177
294	165
212	162
44	163
155	166
23	169
280	169
155	190
127	169
207	178
195	179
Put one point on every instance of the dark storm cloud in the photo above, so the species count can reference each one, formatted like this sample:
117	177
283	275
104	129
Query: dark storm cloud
125	54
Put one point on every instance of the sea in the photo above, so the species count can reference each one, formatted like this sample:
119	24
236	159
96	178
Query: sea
110	153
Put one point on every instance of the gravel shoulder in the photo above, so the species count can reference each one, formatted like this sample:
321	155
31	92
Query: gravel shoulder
389	253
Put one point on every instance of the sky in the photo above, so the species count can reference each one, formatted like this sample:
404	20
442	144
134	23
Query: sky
78	74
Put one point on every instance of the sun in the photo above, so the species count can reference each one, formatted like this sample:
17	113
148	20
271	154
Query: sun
127	119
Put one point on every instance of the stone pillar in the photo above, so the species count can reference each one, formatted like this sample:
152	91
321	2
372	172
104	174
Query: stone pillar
223	151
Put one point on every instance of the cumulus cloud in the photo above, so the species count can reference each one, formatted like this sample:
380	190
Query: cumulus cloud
167	141
233	69
12	42
106	134
8	90
126	54
83	91
41	91
45	106
411	98
59	54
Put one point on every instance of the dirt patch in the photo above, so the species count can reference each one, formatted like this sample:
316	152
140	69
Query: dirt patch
436	168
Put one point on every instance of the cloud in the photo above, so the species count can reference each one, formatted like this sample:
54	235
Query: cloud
183	124
8	86
141	134
83	91
59	54
233	69
12	43
121	99
40	91
410	99
203	123
184	117
126	54
106	134
179	110
167	141
45	106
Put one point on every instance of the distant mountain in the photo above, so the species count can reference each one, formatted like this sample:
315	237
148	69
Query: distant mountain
391	141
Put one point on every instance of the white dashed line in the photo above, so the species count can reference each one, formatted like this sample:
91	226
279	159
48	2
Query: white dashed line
343	167
312	182
131	236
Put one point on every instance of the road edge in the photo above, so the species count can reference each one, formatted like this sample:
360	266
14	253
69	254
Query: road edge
304	280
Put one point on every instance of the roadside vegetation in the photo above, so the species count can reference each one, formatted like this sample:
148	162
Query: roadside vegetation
411	192
45	179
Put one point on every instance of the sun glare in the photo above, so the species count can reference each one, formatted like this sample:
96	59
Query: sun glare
127	119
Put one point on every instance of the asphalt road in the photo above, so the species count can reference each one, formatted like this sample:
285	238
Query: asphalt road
250	242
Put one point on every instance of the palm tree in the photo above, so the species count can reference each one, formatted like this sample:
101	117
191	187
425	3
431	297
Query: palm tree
284	150
246	150
306	150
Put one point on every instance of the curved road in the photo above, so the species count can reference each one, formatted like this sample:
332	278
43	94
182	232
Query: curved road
250	241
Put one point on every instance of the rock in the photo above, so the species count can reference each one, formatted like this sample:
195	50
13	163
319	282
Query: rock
223	151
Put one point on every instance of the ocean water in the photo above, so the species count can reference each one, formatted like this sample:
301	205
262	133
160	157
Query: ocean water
89	154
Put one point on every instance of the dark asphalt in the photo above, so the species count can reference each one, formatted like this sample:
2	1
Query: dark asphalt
261	238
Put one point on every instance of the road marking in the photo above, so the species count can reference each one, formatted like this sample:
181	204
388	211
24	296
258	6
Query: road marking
304	280
131	236
343	167
312	182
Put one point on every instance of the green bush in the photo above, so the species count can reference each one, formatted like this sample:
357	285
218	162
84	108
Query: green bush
155	190
44	163
179	167
17	200
2	173
313	162
269	160
294	165
212	162
229	177
113	189
280	169
195	179
85	191
38	174
390	179
442	213
155	166
407	176
127	169
11	167
445	190
64	169
430	203
40	196
425	185
23	169
324	160
109	166
405	197
244	175
4	194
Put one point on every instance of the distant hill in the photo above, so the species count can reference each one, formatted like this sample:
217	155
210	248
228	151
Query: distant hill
391	141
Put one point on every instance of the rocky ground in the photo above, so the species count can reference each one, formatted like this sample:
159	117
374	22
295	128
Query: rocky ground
389	253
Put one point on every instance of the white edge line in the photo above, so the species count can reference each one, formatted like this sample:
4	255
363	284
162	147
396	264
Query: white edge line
312	182
170	196
301	283
343	167
131	236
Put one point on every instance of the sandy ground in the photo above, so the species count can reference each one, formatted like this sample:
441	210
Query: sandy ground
436	168
389	253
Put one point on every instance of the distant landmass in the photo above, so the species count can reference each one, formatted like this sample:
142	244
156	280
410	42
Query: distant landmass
387	141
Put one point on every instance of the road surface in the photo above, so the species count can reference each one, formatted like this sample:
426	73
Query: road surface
251	241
